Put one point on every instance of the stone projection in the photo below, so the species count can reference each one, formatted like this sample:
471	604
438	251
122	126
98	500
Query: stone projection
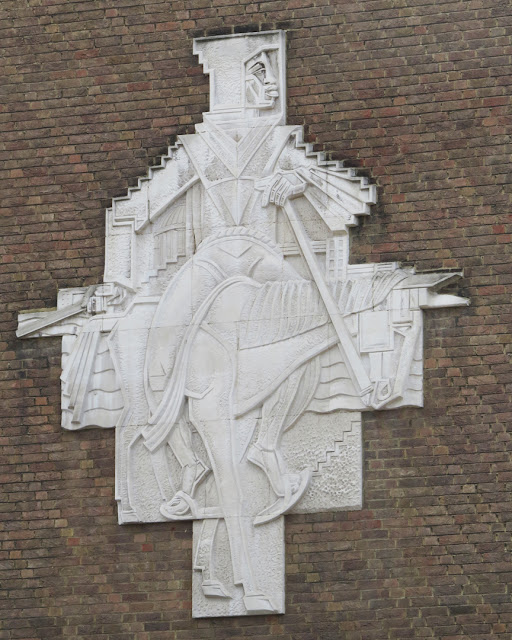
231	344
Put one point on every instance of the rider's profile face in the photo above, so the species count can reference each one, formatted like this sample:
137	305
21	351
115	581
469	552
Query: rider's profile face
261	84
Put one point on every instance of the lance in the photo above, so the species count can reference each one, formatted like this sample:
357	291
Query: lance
348	351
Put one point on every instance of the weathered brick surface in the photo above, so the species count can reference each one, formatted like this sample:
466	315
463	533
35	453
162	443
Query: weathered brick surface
414	92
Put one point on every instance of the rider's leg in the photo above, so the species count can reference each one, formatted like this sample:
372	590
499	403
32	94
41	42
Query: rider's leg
279	412
275	419
193	470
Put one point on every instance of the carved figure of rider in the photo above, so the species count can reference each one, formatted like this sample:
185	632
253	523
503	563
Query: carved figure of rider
235	229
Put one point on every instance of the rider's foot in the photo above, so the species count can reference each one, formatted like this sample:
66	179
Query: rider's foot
180	507
193	475
293	493
271	463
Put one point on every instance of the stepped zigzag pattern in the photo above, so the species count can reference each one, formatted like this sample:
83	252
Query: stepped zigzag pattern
332	453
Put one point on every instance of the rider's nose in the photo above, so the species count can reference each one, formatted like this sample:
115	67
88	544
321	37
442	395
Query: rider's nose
269	78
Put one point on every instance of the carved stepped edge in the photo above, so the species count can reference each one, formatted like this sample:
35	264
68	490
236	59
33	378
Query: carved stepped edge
164	159
368	192
335	452
155	273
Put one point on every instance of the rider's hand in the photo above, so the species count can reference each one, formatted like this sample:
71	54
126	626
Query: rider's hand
279	187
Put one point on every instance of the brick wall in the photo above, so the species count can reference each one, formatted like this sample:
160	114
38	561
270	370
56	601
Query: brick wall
416	93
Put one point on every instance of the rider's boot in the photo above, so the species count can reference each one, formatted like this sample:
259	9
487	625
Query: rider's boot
289	487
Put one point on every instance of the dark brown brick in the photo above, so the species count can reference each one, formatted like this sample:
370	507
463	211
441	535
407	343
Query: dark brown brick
416	95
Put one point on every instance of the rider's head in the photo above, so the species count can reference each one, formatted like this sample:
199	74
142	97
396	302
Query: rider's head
261	87
246	75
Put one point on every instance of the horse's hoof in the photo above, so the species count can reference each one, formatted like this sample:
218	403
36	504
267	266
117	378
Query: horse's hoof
215	589
181	507
284	504
259	603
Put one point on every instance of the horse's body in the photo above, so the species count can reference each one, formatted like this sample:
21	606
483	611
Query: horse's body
244	370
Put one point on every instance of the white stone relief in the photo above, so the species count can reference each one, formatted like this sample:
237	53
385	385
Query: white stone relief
231	345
